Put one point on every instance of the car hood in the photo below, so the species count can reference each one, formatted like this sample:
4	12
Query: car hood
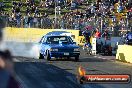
63	46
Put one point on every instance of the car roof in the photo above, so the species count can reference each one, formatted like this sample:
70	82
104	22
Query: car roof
58	33
54	35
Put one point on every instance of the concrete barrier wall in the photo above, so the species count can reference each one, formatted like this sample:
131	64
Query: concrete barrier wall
31	34
35	34
124	53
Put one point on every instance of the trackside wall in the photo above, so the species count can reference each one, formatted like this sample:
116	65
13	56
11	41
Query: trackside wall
31	34
124	53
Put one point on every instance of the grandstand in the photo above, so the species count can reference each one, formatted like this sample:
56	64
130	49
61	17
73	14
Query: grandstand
42	9
70	14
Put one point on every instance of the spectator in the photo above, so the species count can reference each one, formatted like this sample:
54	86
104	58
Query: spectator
27	10
10	20
2	5
87	35
30	20
39	20
35	21
20	4
42	4
33	8
97	34
92	8
73	5
13	20
120	8
28	3
14	3
13	10
18	19
106	34
36	10
62	23
26	22
17	9
76	25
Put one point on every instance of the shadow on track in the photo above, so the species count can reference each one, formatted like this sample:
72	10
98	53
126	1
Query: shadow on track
63	59
93	59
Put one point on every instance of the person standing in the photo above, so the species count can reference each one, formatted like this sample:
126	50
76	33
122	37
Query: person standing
26	22
97	33
98	40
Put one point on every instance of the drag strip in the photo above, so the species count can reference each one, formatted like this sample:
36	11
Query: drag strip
34	73
42	75
61	73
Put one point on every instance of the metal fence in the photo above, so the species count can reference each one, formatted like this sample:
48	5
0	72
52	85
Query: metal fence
43	23
75	23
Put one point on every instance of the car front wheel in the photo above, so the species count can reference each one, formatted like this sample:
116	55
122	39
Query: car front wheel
47	57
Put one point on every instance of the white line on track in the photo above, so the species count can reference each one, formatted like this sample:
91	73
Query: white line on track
103	58
99	57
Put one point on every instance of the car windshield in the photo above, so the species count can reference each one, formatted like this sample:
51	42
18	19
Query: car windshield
59	39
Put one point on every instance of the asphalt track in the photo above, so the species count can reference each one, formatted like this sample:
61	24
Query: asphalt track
35	73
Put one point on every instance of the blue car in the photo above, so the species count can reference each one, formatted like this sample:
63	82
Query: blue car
58	46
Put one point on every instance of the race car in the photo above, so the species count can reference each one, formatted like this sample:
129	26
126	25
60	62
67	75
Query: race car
58	46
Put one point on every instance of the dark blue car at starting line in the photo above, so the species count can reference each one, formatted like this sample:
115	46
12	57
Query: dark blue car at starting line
56	45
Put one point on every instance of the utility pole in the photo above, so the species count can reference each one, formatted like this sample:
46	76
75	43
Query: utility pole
55	14
127	23
101	24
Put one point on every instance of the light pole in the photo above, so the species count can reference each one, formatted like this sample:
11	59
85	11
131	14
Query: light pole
101	25
55	14
127	23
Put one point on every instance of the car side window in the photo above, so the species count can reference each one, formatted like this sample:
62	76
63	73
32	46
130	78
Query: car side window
70	39
42	40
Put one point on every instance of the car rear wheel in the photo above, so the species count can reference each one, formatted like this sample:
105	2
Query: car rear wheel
47	57
77	58
41	56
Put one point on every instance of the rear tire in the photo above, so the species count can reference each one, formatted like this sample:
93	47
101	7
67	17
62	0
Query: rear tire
77	58
41	56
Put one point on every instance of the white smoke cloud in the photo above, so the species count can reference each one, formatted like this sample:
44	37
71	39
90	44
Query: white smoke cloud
30	50
35	51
